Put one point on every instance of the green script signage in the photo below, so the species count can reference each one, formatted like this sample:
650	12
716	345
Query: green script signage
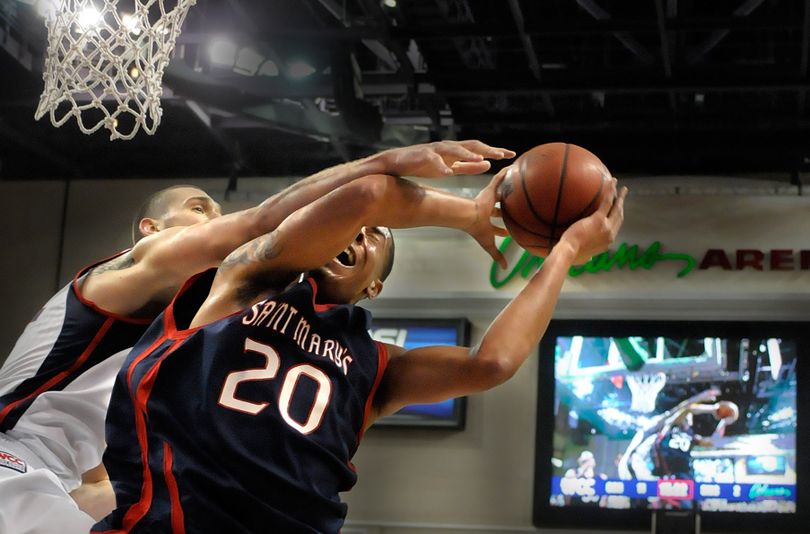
633	257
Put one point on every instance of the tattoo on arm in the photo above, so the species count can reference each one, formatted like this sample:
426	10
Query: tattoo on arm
261	249
116	264
254	253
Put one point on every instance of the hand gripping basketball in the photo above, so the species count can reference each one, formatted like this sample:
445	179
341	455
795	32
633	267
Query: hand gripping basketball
549	188
594	234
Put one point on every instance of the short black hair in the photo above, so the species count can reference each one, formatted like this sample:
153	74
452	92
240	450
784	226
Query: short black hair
389	263
153	207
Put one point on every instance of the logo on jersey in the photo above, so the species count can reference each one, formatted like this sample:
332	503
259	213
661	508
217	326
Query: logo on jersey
12	462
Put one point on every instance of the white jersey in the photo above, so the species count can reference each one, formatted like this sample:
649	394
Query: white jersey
55	385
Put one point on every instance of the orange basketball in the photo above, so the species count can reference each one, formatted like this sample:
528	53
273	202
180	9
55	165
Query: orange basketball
549	188
726	409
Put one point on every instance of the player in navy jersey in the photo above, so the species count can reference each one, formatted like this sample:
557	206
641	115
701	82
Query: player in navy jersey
240	409
663	448
672	449
55	385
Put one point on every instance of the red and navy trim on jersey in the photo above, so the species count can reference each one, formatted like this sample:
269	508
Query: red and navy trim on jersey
244	425
83	335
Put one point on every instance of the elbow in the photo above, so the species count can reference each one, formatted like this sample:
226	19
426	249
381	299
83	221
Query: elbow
367	195
494	369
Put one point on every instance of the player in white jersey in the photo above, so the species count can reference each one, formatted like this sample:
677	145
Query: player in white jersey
55	385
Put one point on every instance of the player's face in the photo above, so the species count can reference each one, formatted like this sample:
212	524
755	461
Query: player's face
188	206
356	272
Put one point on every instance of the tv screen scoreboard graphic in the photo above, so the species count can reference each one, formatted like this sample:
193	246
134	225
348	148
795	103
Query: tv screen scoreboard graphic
672	489
637	423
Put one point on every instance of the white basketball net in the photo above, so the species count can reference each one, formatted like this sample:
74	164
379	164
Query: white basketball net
105	63
645	389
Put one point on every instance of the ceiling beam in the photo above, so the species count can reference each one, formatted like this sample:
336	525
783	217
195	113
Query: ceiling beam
698	52
805	54
233	87
18	50
218	136
372	9
528	48
369	41
553	27
461	86
525	39
629	42
666	55
759	124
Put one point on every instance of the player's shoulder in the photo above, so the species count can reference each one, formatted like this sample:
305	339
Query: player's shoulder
393	351
159	251
150	242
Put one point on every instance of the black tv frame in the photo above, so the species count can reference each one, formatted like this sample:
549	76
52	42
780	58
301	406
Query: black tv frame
459	416
544	515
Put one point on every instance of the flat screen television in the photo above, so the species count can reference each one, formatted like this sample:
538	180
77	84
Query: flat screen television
413	333
635	417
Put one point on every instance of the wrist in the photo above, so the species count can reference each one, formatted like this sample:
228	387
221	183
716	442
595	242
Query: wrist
379	163
566	249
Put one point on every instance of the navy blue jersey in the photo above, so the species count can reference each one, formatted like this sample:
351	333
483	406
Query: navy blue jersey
56	382
673	453
244	425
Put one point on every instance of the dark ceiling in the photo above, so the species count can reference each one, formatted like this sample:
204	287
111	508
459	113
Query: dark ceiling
652	87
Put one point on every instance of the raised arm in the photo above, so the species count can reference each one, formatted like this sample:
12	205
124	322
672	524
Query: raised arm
205	245
316	234
432	374
145	278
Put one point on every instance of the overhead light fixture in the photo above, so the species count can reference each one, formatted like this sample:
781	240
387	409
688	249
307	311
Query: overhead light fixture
88	18
248	62
222	52
268	68
298	69
390	3
131	23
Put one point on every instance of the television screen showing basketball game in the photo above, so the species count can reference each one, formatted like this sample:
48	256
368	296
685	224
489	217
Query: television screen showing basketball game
673	416
413	333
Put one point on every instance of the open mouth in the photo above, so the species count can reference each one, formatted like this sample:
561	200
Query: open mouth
346	257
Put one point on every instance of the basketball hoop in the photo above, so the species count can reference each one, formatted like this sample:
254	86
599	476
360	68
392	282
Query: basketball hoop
105	63
645	389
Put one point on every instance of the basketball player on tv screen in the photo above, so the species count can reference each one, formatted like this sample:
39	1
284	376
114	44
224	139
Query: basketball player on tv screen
56	383
665	443
240	409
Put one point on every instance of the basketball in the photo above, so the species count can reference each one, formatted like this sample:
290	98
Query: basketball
726	409
547	189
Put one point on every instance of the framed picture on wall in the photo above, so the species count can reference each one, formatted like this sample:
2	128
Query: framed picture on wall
413	333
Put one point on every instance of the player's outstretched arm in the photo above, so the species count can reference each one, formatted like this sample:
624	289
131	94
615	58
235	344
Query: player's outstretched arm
316	234
198	247
432	374
160	263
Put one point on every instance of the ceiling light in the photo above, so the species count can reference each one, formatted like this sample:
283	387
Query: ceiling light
222	52
299	69
390	3
248	62
89	17
131	23
268	68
